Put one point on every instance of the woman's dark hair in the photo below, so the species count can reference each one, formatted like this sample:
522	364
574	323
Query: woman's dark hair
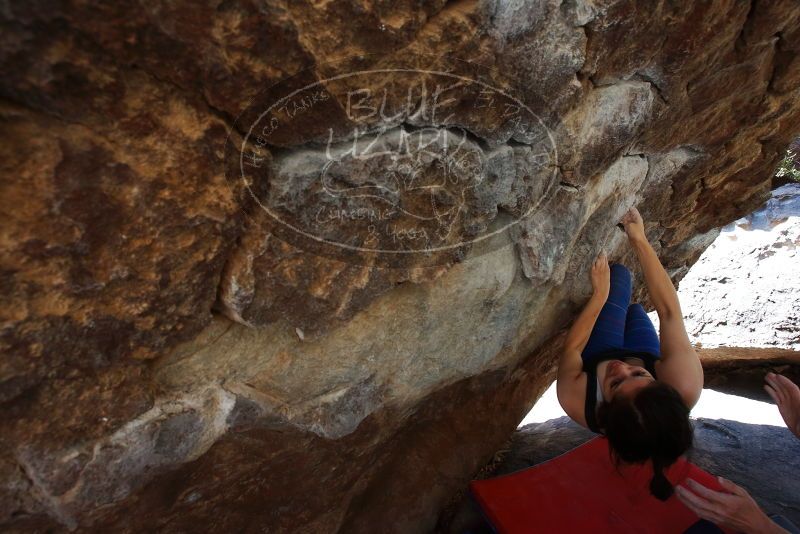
650	425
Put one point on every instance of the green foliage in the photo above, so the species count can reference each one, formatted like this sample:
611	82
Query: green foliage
788	167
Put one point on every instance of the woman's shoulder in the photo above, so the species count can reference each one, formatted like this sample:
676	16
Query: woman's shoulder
683	374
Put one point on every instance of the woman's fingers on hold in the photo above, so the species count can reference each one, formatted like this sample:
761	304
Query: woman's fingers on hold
631	215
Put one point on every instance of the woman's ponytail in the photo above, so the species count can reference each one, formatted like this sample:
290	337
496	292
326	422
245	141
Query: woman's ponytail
652	425
660	486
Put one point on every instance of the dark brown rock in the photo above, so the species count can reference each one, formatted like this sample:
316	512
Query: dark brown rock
172	357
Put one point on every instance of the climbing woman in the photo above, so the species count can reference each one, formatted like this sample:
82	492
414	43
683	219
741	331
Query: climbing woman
618	378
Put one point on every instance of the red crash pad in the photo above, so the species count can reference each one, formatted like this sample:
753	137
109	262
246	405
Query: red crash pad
583	491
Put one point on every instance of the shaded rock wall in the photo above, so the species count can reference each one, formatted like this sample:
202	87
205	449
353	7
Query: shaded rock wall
172	357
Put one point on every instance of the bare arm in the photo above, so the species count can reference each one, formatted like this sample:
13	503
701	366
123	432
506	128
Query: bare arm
679	365
581	329
659	285
570	365
571	380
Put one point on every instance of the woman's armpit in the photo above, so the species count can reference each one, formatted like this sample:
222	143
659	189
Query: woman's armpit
571	395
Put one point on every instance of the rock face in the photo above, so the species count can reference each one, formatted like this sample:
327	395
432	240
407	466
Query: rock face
295	266
741	370
760	458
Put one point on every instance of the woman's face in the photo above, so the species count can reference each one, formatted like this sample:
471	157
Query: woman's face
624	379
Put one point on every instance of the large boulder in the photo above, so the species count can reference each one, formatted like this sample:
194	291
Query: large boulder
209	326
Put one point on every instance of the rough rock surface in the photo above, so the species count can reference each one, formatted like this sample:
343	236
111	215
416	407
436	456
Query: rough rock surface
760	458
173	358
